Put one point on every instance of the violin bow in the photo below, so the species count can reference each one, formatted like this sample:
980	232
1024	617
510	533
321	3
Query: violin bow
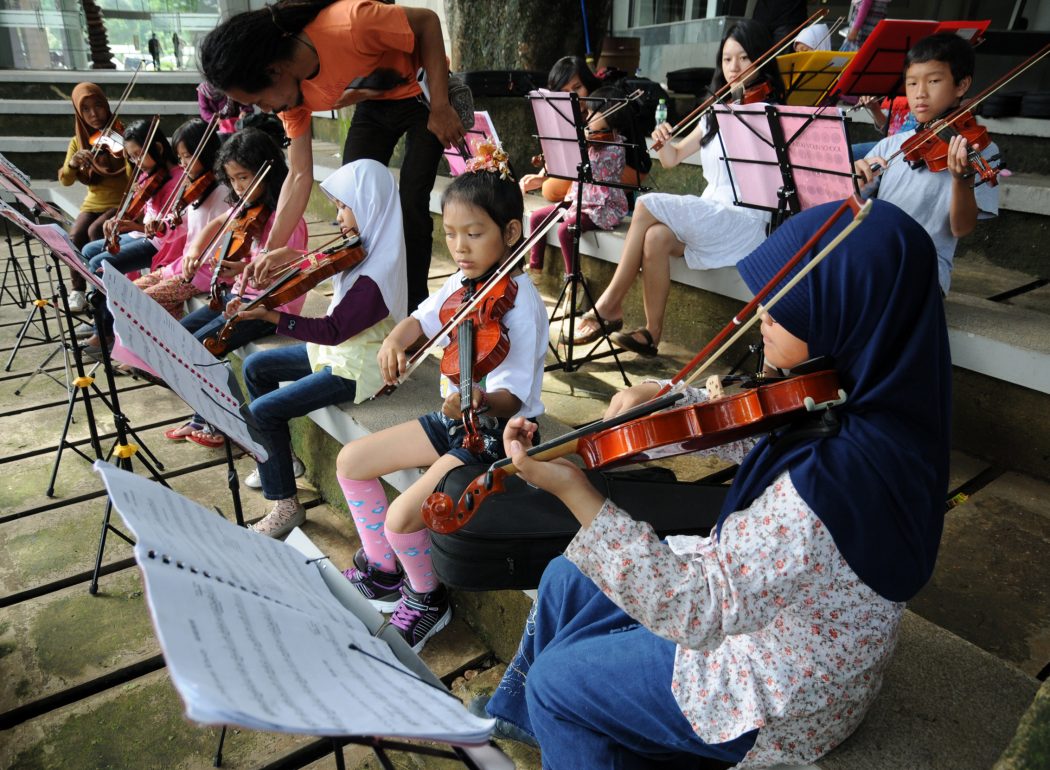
480	294
860	212
154	124
176	194
116	111
718	96
631	97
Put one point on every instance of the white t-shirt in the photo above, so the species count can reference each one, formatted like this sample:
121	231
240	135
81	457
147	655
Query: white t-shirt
521	372
926	197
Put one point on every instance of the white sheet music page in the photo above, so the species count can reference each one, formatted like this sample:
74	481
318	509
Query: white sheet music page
200	379
253	637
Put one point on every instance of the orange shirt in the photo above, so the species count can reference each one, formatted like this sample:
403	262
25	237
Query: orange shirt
353	38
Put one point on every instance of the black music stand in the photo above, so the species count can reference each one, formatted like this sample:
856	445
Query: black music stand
785	159
564	144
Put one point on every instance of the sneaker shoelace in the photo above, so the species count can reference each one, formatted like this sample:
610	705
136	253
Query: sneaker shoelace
407	613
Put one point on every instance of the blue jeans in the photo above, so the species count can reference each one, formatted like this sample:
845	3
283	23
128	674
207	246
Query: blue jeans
589	681
205	322
273	407
135	253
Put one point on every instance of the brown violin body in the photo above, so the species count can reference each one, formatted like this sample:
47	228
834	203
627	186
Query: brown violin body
312	270
930	147
491	343
247	229
191	193
144	191
662	434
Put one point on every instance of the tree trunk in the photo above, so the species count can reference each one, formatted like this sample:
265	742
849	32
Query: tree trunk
98	41
522	34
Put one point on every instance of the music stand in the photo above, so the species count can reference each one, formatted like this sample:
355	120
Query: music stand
785	159
483	131
878	67
560	124
811	75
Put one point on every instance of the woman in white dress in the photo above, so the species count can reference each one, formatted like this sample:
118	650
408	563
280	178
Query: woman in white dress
708	230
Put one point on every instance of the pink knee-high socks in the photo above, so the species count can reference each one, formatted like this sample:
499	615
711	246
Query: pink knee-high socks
368	504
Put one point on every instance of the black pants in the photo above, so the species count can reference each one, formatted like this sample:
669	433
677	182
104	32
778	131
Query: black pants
374	132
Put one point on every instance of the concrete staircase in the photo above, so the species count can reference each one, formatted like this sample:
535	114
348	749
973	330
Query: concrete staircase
37	115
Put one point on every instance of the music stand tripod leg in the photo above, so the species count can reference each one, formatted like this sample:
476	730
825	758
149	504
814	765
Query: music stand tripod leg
39	305
14	268
573	282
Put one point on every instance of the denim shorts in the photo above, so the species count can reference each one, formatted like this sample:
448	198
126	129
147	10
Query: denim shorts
446	436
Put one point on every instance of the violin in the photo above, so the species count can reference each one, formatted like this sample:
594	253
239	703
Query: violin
479	343
657	435
300	278
195	191
110	139
930	148
468	306
144	191
760	92
722	93
247	228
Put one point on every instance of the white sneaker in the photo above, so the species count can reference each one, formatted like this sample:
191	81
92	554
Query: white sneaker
285	516
77	301
84	330
254	482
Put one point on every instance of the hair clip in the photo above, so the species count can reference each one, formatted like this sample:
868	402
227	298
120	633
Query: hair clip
490	157
273	18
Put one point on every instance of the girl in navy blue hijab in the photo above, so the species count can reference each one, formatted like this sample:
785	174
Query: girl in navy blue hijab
765	643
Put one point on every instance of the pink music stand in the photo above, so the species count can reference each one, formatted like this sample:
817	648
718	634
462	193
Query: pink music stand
484	130
785	159
13	180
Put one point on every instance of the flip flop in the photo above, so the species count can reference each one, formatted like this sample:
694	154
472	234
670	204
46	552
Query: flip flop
611	325
628	341
182	432
207	437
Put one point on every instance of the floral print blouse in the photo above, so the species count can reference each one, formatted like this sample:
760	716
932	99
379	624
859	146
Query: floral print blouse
773	628
605	206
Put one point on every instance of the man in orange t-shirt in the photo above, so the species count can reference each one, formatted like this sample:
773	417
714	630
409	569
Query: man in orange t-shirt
294	58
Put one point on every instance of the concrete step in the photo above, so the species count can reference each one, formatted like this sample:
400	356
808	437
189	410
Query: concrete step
59	84
35	118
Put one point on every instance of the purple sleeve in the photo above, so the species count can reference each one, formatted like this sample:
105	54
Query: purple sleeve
360	308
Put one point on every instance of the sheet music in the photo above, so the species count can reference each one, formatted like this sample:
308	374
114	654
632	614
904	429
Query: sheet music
256	639
200	379
13	179
556	128
817	149
55	238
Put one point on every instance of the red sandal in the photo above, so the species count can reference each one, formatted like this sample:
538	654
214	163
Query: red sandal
207	437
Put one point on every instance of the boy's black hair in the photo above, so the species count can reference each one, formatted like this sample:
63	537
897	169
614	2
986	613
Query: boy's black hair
564	69
756	39
237	53
251	148
190	134
499	198
160	150
944	47
597	101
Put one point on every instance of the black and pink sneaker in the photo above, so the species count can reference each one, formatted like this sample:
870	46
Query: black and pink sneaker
419	616
382	589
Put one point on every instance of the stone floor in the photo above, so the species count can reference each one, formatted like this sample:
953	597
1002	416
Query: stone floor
991	586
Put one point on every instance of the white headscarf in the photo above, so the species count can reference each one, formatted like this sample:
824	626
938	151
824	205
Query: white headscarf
367	187
816	36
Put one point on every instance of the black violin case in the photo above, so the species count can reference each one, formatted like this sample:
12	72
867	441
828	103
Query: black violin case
514	535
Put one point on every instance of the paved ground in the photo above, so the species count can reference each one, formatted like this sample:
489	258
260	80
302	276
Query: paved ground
991	587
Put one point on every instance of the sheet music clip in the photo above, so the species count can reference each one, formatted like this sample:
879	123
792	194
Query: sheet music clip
317	559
